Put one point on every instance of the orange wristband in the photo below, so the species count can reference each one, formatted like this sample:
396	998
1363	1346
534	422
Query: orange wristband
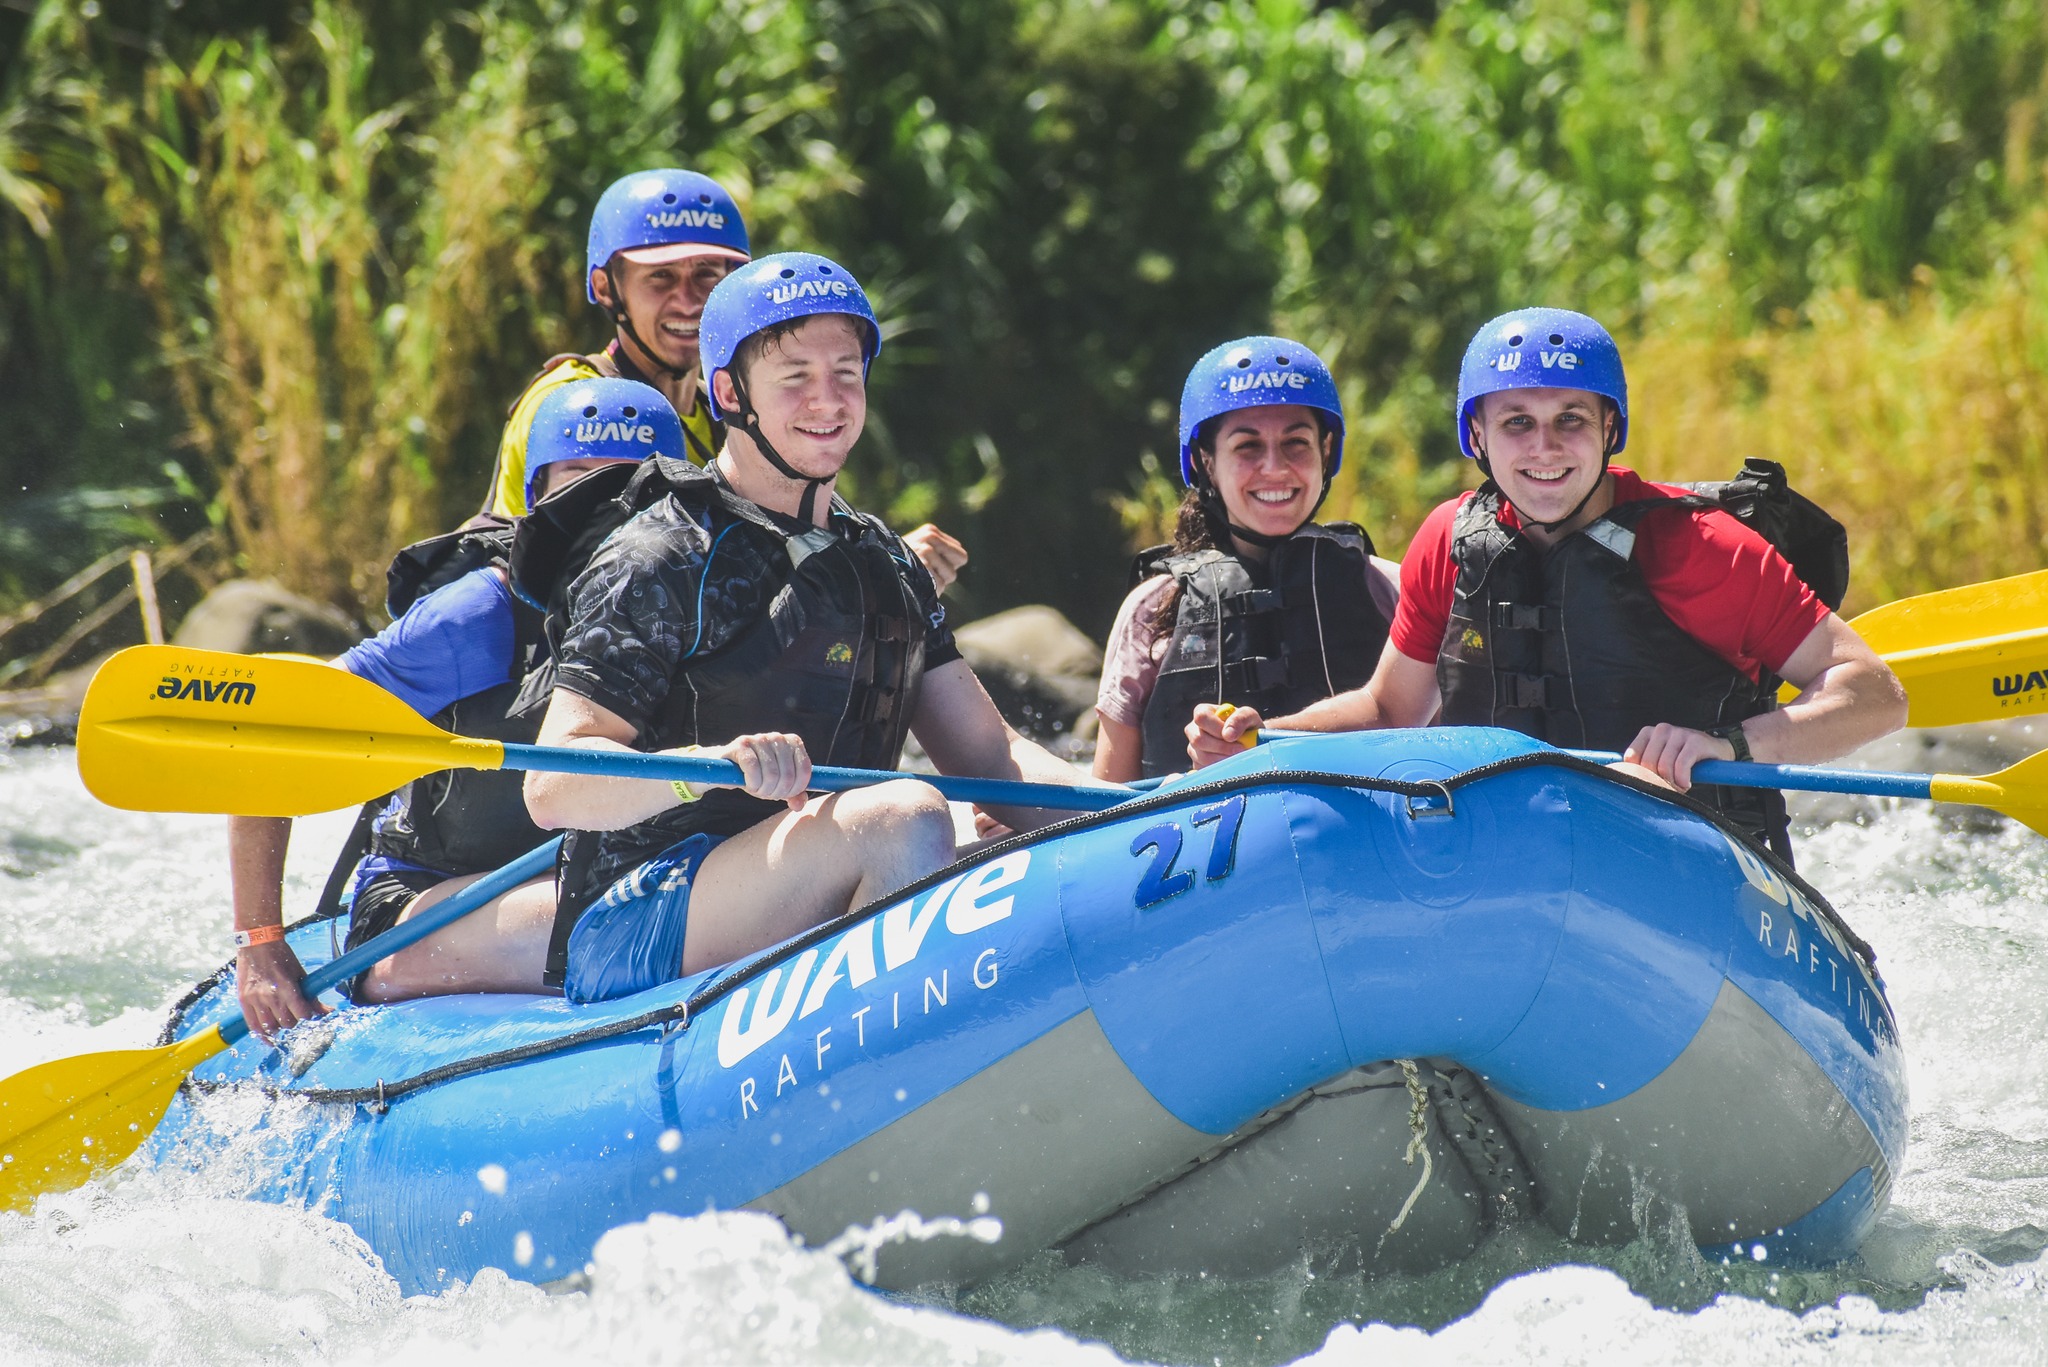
258	935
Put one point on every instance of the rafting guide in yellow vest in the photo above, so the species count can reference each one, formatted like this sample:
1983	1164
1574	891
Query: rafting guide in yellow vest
660	241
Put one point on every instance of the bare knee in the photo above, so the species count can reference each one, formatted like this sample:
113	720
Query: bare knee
393	979
380	983
912	806
899	819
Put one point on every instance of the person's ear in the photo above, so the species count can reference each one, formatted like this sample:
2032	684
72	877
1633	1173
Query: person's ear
723	390
601	286
1472	425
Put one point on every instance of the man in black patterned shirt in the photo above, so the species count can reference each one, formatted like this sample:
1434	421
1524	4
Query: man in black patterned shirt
751	615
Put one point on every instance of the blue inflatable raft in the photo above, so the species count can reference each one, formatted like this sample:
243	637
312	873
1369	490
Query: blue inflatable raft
1357	997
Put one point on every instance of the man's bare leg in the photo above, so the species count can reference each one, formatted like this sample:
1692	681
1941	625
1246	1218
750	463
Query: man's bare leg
763	885
791	872
500	947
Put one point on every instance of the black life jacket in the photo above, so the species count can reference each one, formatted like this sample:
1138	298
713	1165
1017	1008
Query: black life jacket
1568	644
1276	636
836	659
464	820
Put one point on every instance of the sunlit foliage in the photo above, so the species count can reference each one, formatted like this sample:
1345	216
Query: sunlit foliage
300	259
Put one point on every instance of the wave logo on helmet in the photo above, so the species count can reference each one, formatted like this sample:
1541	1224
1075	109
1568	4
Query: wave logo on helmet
687	218
1268	379
1551	360
615	431
794	290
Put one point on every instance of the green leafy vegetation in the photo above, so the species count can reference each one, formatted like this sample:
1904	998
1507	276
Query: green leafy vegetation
311	254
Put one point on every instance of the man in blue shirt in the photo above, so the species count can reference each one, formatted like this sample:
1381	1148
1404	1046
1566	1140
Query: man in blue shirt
456	654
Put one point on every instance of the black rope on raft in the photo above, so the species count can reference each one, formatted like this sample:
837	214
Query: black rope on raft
676	1016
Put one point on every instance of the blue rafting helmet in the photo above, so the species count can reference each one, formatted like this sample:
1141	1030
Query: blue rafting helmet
1255	372
778	289
1541	348
663	215
600	419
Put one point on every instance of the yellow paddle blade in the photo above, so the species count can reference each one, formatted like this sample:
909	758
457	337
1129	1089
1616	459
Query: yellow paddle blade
1968	654
1979	680
1971	612
168	729
65	1122
2020	792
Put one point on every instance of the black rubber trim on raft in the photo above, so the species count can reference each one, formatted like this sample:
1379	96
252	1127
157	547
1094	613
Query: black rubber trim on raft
679	1014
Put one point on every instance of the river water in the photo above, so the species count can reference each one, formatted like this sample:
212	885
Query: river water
105	916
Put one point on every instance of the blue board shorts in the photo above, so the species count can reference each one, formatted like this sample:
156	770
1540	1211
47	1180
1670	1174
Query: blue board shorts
631	938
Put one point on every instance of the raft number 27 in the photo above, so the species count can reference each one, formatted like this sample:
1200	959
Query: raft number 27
1161	879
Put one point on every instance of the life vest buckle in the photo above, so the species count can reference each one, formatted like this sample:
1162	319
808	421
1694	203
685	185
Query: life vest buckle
1253	601
1258	673
1523	617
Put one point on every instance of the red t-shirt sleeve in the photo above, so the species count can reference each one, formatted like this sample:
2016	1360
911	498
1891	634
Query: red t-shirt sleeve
1427	580
1727	588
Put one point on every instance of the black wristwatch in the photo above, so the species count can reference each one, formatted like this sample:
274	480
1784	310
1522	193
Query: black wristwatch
1733	735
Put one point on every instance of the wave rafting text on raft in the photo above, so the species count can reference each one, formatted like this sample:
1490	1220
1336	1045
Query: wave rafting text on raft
1781	936
793	992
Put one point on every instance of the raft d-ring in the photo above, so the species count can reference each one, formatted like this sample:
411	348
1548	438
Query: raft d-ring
1429	808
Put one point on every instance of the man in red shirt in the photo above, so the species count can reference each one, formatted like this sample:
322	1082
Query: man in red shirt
1577	602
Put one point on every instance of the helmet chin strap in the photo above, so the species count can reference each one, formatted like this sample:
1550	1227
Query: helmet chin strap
624	322
750	423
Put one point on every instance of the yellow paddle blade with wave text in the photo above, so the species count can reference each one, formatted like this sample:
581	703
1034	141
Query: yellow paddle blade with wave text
1969	654
170	729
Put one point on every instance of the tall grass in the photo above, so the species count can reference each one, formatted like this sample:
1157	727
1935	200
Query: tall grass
357	228
322	356
348	282
1923	425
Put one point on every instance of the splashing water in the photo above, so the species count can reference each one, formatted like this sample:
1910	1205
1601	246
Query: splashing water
108	915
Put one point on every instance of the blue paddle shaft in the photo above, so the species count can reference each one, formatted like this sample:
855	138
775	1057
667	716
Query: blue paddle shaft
526	867
690	769
1730	773
703	769
1800	777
